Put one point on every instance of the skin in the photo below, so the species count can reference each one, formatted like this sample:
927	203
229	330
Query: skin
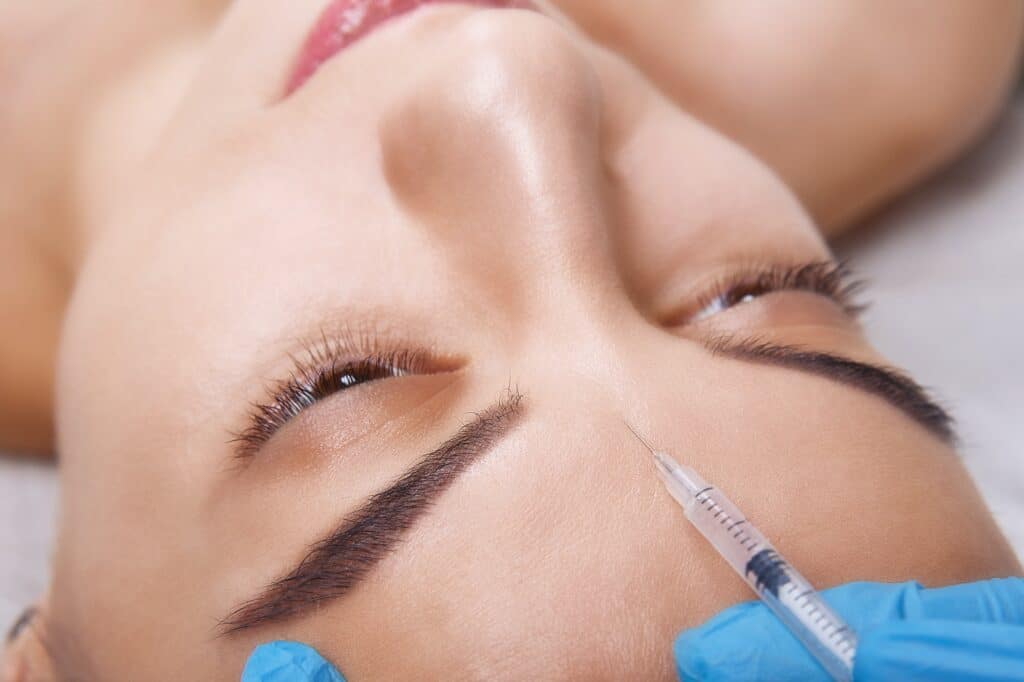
89	88
579	210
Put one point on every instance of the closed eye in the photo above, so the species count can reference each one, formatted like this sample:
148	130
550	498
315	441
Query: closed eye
824	278
323	369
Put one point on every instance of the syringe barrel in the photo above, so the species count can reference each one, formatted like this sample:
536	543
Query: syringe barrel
795	602
787	593
725	527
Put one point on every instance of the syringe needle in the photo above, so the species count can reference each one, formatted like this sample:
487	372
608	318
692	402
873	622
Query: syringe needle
640	438
664	464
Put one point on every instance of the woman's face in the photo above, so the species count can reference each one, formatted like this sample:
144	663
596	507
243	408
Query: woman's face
365	354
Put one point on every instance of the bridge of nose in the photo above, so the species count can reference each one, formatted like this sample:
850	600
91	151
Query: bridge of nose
496	154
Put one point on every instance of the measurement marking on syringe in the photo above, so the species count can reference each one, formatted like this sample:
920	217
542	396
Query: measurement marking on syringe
782	588
725	519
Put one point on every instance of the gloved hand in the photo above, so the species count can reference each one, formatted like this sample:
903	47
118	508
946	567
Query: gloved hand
966	633
288	662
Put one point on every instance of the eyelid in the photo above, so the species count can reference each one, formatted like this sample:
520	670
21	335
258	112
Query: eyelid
828	279
315	375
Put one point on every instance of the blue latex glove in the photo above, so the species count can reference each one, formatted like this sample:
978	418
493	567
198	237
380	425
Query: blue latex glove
965	633
288	662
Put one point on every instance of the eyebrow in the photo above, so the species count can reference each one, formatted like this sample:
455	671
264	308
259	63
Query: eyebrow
337	563
888	383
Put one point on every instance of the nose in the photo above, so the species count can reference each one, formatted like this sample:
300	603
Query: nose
498	148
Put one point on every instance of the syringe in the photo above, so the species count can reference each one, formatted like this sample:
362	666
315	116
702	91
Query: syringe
787	593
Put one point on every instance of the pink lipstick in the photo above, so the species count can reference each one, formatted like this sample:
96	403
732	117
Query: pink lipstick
343	22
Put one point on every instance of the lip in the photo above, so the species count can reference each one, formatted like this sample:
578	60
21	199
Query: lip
343	22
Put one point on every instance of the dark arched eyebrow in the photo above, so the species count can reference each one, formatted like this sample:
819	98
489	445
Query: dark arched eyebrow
887	383
335	564
338	562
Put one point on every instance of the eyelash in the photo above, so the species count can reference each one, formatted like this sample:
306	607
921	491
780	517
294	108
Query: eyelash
328	367
824	278
321	371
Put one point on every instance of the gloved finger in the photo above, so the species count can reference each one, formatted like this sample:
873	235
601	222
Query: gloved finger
749	641
745	642
941	651
863	605
749	634
992	601
288	662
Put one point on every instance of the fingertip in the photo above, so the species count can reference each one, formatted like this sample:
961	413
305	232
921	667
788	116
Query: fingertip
284	661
